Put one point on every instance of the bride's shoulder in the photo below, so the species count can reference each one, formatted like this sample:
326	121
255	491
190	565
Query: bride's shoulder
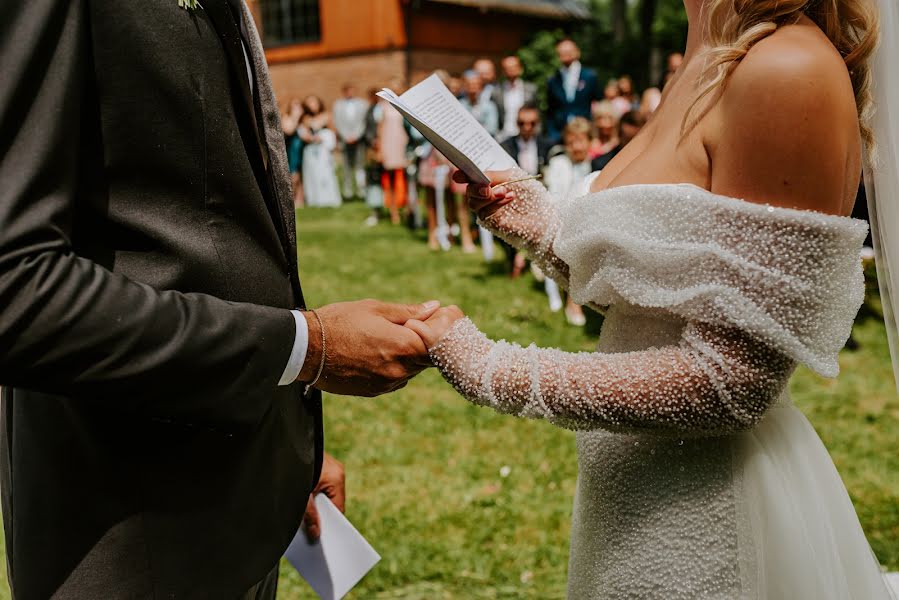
786	126
797	54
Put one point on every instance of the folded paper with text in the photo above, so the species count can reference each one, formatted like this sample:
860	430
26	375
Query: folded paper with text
432	109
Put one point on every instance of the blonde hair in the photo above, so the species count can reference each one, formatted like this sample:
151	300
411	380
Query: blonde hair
578	126
735	26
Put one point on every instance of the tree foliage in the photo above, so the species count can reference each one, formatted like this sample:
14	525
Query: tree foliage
621	37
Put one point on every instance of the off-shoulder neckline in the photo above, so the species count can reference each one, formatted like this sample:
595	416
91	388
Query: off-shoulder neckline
766	208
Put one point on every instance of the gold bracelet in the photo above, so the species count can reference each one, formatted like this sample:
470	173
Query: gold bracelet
528	178
321	365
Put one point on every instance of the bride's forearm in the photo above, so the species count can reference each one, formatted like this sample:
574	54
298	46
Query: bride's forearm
530	222
716	381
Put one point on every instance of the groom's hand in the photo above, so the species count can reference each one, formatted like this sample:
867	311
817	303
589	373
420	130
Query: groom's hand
332	484
367	351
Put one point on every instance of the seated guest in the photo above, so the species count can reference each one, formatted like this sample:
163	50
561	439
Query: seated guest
629	126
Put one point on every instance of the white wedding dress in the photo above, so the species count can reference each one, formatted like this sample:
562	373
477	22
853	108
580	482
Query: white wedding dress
698	478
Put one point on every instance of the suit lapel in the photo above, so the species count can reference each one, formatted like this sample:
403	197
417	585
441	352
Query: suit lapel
219	13
273	139
269	166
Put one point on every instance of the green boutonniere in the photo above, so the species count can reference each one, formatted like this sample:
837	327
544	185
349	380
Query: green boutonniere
188	4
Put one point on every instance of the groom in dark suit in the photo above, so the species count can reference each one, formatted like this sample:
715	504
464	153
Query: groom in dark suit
570	91
158	440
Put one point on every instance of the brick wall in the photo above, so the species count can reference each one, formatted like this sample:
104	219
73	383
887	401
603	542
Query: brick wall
424	62
324	77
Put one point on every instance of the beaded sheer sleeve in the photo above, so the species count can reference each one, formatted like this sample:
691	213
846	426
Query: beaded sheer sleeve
758	289
531	223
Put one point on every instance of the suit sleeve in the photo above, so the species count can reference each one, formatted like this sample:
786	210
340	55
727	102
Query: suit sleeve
67	325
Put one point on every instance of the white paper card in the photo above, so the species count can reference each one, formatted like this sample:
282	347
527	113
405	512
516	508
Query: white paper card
334	564
432	109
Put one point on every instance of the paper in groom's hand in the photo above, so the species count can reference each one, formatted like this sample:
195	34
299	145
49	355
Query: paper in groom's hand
340	558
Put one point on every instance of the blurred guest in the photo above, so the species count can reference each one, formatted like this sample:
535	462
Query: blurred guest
529	149
570	91
481	107
490	88
672	65
456	86
650	101
392	142
484	110
290	124
513	93
620	104
349	121
563	174
433	176
319	178
629	126
610	92
605	122
374	195
626	92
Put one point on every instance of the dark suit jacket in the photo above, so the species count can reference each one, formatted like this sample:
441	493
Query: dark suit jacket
147	265
560	110
511	147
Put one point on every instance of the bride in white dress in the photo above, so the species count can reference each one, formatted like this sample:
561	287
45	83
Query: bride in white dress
718	246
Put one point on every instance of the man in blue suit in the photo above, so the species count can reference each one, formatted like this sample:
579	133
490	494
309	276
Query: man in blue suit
571	90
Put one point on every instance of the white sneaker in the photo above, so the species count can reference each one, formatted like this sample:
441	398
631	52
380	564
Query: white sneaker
371	221
576	318
552	292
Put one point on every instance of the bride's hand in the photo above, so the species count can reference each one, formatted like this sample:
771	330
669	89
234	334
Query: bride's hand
486	199
439	323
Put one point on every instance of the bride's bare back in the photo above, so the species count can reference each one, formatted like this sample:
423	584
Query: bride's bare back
784	131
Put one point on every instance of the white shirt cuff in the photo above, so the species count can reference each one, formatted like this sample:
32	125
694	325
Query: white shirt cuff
298	354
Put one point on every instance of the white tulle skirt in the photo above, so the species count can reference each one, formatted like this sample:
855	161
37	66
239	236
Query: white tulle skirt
760	515
807	540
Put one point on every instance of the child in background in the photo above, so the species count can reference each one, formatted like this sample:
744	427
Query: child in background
563	173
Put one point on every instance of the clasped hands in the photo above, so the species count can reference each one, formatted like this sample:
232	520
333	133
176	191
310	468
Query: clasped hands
373	347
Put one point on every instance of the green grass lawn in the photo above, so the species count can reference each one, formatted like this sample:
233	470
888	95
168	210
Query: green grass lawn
423	465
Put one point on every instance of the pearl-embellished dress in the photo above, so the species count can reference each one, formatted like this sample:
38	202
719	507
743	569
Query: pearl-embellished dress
698	478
